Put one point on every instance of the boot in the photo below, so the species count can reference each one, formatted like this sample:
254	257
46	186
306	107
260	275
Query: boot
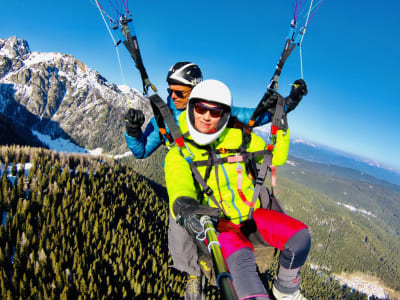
282	296
193	288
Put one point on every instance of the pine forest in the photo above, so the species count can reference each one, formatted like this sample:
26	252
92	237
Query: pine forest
88	227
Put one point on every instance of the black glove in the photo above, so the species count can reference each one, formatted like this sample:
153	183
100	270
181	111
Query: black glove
299	89
188	213
272	104
269	101
134	120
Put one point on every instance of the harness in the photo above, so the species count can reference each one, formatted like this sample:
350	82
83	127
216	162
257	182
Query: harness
164	120
267	198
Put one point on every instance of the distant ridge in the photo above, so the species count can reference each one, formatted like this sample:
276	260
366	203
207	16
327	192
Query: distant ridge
330	156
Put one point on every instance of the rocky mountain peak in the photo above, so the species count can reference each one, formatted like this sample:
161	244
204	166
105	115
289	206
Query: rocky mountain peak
58	95
14	47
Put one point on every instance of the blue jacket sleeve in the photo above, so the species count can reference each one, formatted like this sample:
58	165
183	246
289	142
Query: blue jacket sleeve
150	139
244	114
148	142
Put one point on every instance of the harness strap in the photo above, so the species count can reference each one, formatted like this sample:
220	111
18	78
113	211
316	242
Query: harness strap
162	114
214	158
259	180
232	159
273	179
242	196
241	156
206	189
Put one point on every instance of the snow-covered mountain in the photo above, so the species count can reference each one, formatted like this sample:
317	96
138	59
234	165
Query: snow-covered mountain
55	94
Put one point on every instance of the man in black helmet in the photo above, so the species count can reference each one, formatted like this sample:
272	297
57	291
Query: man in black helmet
181	78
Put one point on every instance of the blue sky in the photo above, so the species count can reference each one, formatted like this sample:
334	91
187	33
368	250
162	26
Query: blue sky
350	57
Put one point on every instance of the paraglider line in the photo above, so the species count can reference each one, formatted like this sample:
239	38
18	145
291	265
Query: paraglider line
105	13
301	62
297	9
112	37
314	11
125	3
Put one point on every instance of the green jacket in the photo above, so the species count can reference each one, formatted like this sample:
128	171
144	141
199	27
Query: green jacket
180	182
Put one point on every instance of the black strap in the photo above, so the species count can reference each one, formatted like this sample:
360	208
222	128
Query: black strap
273	85
206	189
259	180
163	115
132	45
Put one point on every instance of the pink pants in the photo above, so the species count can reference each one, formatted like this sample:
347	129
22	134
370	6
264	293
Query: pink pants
275	228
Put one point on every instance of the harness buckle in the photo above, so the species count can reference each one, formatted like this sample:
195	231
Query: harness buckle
260	180
188	158
209	191
236	158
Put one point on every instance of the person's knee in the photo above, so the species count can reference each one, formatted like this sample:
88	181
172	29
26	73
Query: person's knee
296	249
233	241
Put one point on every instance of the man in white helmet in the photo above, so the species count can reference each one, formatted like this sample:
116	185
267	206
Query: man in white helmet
225	192
181	78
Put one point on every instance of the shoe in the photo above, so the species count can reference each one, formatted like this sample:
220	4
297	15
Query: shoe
282	296
193	288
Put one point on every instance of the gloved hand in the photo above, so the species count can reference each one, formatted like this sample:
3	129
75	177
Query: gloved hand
134	120
272	104
269	101
188	213
299	89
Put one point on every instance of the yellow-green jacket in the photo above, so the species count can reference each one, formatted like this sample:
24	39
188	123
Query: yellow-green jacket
180	182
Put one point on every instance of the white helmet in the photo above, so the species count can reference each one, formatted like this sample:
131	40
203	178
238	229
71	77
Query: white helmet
213	91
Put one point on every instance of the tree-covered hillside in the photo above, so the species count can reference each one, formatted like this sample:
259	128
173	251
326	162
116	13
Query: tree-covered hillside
80	226
342	240
88	227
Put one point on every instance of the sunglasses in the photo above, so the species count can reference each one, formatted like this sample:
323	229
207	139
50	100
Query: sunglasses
179	94
215	112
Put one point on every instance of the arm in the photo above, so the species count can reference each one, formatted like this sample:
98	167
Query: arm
182	193
148	142
178	178
299	89
244	114
142	145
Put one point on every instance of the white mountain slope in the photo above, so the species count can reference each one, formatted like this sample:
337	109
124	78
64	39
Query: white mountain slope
57	95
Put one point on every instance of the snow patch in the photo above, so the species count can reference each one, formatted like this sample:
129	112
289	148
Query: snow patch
301	141
63	145
291	162
360	282
97	151
59	144
127	153
38	57
362	285
354	209
125	88
372	163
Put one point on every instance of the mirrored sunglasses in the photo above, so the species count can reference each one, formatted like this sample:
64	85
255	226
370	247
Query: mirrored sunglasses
215	112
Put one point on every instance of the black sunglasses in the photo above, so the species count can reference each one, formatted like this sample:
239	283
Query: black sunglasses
179	94
201	109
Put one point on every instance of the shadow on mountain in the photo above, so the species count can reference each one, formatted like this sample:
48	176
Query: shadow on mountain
17	122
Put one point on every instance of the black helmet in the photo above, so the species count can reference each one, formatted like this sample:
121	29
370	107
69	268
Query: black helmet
184	73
